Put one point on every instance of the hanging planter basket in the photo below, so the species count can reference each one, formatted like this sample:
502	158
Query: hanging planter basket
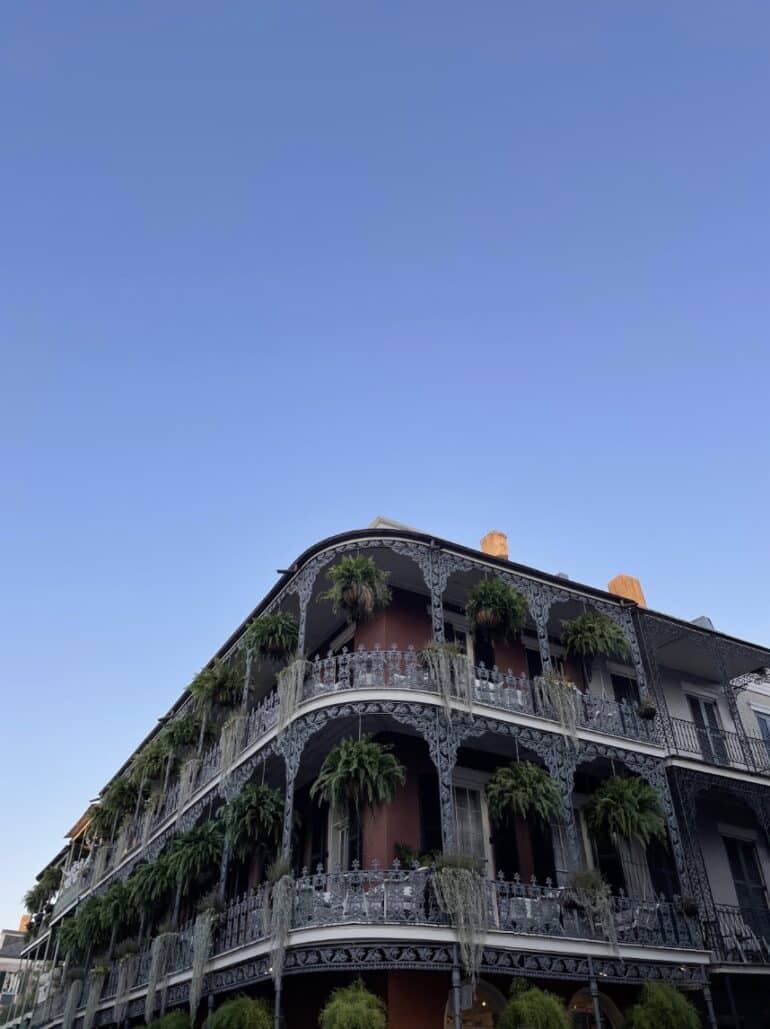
496	610
646	710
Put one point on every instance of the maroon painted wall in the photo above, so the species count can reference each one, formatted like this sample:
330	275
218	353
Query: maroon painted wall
404	623
417	1000
398	822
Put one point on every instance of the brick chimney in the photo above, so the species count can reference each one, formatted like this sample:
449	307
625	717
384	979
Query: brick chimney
495	544
629	587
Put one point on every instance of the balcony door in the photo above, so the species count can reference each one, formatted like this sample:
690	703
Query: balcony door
749	883
471	817
708	729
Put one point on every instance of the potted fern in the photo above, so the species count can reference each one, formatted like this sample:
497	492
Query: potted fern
274	636
358	588
353	1007
629	807
523	788
530	1007
496	610
593	635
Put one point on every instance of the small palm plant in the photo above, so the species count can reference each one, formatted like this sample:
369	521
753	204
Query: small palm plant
358	588
362	772
242	1013
628	806
194	858
533	1008
353	1007
591	635
523	788
662	1006
496	610
274	636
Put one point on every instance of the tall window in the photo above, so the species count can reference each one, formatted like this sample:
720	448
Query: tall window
708	728
471	817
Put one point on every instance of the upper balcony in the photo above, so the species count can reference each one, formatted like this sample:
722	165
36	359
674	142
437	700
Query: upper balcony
717	746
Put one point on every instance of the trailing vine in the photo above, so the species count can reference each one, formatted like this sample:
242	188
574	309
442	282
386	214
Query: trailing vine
560	696
159	952
291	684
451	671
277	914
461	893
203	935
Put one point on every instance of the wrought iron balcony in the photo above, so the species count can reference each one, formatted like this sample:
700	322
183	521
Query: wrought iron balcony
405	897
740	935
718	747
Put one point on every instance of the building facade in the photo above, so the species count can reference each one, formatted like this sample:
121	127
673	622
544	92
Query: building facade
680	706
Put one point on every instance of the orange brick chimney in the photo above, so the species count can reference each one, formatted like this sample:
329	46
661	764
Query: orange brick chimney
495	544
629	587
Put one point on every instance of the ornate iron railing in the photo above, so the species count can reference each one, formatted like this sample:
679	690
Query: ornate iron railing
719	747
378	669
406	897
740	935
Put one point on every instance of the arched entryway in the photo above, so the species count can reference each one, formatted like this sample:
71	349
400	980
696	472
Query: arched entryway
581	1010
480	1008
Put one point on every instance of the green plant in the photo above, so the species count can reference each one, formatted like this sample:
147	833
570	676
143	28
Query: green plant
117	803
451	672
254	819
183	732
173	1020
149	885
117	910
662	1007
277	870
217	685
126	949
559	698
530	1007
194	856
408	856
150	762
594	634
629	807
48	883
460	891
646	709
273	635
353	1007
242	1013
522	788
362	772
358	587
496	610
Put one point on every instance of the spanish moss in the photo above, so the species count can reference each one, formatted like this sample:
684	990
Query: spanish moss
231	740
291	683
127	970
277	913
94	993
161	947
187	778
452	673
559	696
203	935
71	1004
461	893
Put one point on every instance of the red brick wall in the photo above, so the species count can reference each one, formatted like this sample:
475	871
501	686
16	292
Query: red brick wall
405	622
417	1000
398	822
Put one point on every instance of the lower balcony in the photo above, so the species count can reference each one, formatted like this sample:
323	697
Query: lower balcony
740	935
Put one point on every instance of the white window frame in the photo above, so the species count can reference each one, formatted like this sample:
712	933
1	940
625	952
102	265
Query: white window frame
337	837
471	779
460	622
702	693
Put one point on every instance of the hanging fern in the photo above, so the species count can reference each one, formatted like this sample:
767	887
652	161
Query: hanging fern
358	588
150	763
242	1013
451	672
149	885
461	893
254	820
183	732
217	686
629	807
523	788
594	634
118	801
195	856
274	636
353	1007
533	1008
662	1006
496	610
362	772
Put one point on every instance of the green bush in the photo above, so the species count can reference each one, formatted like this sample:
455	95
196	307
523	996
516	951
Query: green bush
173	1020
353	1007
532	1008
242	1013
662	1007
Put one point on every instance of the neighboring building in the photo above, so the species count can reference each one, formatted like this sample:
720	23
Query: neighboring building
11	967
687	710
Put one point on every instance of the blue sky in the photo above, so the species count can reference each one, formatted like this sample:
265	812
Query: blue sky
270	269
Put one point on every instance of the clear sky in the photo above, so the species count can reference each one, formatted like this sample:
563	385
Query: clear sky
268	269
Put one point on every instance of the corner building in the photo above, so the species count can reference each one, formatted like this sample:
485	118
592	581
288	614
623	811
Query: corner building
690	909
